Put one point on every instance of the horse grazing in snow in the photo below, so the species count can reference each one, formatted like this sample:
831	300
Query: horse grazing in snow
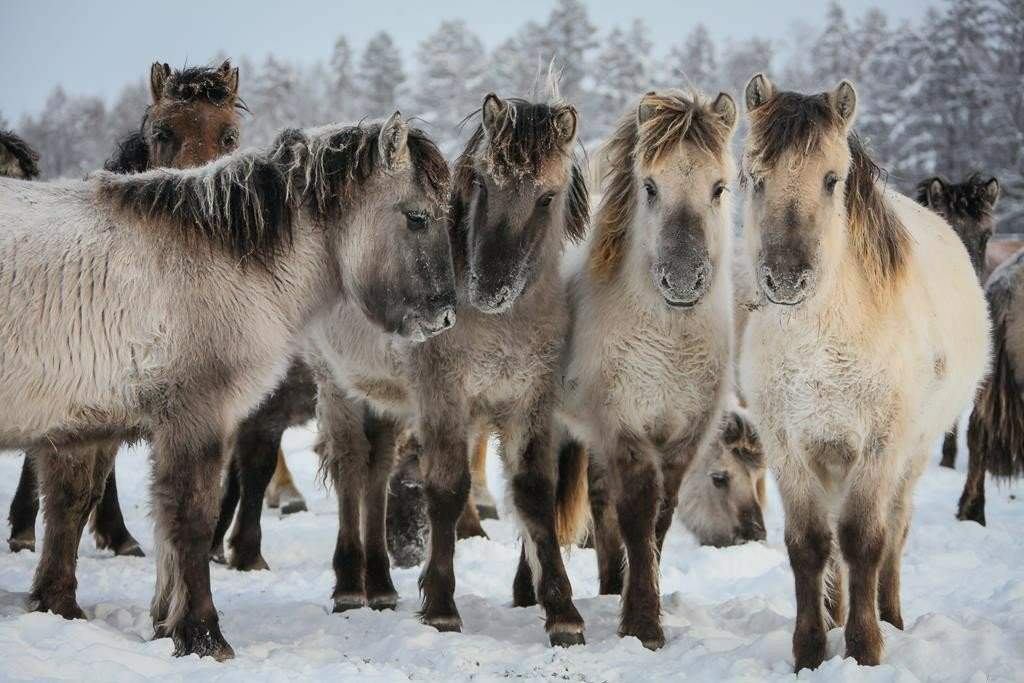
968	208
177	300
871	337
193	119
649	363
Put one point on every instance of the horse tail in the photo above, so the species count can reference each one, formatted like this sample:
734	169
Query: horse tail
996	427
572	502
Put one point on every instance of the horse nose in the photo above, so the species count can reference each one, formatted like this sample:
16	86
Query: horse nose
443	319
785	284
752	525
684	288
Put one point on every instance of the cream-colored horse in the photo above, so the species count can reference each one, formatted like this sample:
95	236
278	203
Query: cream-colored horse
871	338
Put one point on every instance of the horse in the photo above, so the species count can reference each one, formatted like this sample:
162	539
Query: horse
648	365
722	498
166	304
968	207
17	158
870	338
995	430
518	197
193	118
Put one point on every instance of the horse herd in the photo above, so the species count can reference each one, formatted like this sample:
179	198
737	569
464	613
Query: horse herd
419	310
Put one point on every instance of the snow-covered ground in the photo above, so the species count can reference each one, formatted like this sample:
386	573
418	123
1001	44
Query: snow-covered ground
728	612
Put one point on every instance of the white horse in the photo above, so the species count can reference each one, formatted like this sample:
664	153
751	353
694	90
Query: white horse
871	338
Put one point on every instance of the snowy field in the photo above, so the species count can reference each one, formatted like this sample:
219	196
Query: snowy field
728	612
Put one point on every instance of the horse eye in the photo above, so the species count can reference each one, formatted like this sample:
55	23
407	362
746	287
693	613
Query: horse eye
720	479
415	220
830	182
719	190
230	138
546	199
650	188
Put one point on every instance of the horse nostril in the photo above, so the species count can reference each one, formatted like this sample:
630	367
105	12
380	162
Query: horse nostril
769	281
447	322
665	283
698	283
803	281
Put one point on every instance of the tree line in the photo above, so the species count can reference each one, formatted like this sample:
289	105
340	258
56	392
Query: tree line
941	94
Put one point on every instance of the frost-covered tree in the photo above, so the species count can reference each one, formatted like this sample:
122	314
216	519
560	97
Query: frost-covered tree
449	82
621	73
342	94
277	99
126	114
743	59
381	76
518	66
693	62
70	134
568	38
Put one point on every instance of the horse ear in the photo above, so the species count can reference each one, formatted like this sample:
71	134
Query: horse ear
725	106
992	192
733	428
230	76
565	124
936	192
645	110
158	74
758	91
393	142
844	99
493	112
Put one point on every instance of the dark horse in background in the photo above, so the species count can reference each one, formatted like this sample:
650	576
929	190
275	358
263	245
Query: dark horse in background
968	207
193	119
17	158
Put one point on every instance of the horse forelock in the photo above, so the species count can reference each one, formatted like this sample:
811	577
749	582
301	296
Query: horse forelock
202	83
675	117
27	158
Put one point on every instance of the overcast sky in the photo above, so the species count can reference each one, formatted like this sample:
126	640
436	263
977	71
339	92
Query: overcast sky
97	46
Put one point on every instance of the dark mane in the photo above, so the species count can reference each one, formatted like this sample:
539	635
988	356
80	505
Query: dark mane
675	117
130	156
962	199
245	203
27	158
527	139
791	122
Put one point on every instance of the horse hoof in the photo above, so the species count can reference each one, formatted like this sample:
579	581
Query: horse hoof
487	511
217	556
344	603
18	544
809	651
650	635
470	531
293	506
256	564
63	607
129	548
567	635
196	639
384	601
449	624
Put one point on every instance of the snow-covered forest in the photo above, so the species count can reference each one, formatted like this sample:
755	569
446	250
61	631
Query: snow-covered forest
940	95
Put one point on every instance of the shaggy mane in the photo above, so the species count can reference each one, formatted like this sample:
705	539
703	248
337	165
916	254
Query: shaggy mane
527	139
996	426
962	199
245	202
27	158
793	122
676	117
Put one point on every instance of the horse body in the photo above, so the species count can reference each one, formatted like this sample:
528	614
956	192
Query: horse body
875	339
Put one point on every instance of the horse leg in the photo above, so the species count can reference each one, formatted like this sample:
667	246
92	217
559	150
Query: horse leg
972	500
71	483
382	434
187	463
809	544
24	509
949	448
228	503
480	495
469	525
607	539
255	452
637	488
900	512
862	538
444	462
345	455
108	525
407	509
673	471
282	492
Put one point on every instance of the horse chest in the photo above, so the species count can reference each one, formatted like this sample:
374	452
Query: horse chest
502	364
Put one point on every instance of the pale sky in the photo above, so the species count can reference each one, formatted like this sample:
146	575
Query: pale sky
96	46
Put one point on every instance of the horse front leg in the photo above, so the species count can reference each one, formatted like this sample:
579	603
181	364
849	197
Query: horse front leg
949	448
108	525
611	560
382	434
673	470
187	463
254	452
972	501
71	482
24	509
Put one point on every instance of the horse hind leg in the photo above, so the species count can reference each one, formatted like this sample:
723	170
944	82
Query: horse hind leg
71	482
949	448
607	538
24	509
228	502
480	495
255	452
382	433
108	525
972	501
187	462
282	492
407	523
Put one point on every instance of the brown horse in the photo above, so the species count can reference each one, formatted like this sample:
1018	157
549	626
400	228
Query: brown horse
193	118
968	207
